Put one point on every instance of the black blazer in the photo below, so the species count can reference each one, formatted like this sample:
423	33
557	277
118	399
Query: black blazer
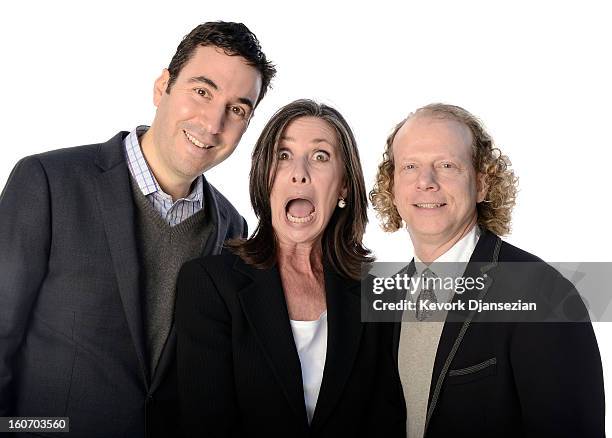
239	371
515	379
71	331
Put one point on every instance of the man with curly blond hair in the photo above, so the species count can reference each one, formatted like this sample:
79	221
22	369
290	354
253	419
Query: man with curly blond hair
463	375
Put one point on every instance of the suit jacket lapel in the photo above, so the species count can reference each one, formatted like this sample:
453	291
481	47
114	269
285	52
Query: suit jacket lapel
215	241
263	303
483	259
117	211
343	340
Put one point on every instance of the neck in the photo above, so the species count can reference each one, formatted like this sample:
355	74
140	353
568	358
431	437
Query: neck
302	257
429	251
174	186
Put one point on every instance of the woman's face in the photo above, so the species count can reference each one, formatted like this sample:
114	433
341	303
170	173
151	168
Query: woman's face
308	182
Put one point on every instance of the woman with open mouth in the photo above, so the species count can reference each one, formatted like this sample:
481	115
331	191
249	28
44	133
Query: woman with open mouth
270	338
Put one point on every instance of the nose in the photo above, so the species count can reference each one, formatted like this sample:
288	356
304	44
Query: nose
213	118
426	181
300	174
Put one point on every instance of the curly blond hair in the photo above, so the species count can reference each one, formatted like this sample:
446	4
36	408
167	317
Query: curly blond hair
494	213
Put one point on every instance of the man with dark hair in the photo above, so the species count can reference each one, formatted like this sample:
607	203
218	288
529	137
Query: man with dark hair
92	238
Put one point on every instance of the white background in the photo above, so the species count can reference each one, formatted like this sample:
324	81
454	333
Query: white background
537	73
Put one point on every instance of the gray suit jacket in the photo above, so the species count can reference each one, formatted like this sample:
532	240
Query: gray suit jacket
71	326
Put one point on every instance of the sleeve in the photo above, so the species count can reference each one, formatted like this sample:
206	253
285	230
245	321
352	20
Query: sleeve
559	378
237	227
245	229
207	394
25	237
386	414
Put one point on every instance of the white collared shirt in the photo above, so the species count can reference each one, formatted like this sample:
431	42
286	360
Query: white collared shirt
173	212
460	252
451	264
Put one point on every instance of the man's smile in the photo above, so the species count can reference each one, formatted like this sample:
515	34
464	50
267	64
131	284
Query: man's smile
430	205
197	142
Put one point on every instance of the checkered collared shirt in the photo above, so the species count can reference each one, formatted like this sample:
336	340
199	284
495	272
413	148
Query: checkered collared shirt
172	212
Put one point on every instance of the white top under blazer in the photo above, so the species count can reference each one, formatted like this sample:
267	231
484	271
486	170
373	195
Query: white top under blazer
311	341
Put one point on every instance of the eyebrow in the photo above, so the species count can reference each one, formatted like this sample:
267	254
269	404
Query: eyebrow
246	101
204	80
316	140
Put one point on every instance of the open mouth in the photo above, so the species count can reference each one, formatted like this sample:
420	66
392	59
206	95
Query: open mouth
430	205
300	210
197	142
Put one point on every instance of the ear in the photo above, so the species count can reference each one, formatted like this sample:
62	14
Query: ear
482	187
160	86
344	190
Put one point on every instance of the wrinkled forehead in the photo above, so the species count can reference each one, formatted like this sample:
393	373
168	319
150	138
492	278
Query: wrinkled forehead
309	130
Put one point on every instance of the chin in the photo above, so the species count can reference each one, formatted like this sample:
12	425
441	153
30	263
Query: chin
303	236
426	226
426	231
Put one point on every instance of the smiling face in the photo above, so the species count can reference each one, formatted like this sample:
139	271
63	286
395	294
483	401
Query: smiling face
308	182
201	119
435	186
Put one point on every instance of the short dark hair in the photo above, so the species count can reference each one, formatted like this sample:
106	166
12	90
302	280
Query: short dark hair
342	243
235	39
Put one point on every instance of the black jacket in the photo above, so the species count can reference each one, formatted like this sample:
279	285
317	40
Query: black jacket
71	329
239	371
515	379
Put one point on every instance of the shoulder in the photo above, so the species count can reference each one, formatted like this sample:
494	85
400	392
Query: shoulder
514	259
226	210
79	158
515	262
71	155
67	174
40	171
517	259
224	272
211	285
511	253
212	263
58	157
540	281
231	223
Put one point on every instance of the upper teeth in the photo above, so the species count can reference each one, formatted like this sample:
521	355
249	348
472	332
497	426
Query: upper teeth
196	142
429	205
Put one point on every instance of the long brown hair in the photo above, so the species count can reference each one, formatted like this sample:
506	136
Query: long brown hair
342	243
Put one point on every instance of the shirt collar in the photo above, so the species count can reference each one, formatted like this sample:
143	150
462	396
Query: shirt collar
142	174
454	260
137	164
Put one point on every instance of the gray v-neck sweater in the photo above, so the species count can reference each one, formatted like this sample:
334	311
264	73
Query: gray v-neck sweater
163	250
